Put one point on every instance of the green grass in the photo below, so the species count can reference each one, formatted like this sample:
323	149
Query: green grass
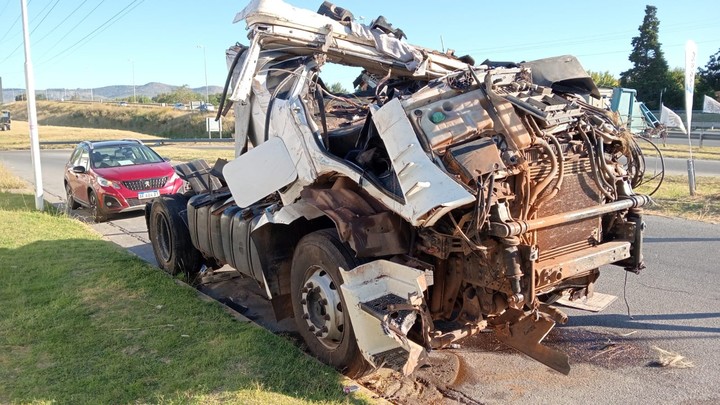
673	198
9	181
83	321
179	153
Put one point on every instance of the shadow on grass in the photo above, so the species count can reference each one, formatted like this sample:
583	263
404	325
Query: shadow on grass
85	322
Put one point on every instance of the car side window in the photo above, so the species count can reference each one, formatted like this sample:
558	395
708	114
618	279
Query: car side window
75	155
83	160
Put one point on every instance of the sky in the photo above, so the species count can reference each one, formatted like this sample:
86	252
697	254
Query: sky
95	43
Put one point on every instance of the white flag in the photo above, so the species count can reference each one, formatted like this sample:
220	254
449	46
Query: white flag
710	105
671	120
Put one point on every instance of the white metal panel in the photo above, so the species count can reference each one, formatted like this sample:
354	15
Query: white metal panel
260	172
424	185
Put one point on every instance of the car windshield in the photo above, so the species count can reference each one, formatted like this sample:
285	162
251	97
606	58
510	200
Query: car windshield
123	155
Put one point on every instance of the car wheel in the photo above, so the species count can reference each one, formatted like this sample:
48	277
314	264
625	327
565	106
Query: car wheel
318	305
96	210
170	237
70	204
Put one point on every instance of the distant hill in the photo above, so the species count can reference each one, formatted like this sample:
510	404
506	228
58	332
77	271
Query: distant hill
151	89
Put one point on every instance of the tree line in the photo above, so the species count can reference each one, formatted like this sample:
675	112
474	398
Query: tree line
182	94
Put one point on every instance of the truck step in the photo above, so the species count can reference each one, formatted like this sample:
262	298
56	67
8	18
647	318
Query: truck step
381	308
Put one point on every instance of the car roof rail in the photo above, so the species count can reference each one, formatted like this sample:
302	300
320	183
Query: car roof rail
88	143
134	140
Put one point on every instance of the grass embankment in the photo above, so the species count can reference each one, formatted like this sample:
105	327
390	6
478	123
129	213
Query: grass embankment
18	139
673	198
158	121
83	321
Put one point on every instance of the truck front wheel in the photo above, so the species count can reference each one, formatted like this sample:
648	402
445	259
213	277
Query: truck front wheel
318	305
170	237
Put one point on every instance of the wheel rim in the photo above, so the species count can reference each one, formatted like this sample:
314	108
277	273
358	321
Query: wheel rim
322	307
163	236
68	194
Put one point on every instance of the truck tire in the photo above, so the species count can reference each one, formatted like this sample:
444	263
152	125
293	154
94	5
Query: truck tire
318	304
170	237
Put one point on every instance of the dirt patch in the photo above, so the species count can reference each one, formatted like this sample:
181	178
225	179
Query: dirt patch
599	349
430	384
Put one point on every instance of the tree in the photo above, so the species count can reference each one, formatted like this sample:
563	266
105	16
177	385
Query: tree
214	99
604	79
710	76
649	74
338	88
182	94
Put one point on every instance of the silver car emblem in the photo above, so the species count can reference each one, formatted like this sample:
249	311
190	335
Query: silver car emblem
147	184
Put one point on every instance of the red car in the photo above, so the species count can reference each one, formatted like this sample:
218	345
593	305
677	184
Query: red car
116	176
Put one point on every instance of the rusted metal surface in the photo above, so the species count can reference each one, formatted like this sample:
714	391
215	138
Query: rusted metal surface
370	233
524	332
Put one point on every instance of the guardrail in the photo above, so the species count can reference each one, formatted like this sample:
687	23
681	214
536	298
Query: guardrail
699	134
163	141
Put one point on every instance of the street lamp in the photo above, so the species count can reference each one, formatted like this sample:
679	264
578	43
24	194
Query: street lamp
207	97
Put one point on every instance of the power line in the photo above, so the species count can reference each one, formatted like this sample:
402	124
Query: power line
78	24
589	38
630	50
9	55
99	29
13	24
7	3
62	22
46	15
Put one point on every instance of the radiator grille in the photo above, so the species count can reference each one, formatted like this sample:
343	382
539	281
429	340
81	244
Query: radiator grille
146	184
578	191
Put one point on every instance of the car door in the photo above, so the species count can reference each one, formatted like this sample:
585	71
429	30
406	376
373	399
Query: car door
71	177
82	180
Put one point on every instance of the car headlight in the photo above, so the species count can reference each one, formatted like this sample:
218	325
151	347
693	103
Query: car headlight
107	183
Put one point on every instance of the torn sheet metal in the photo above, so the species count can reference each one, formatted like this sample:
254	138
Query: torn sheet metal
248	65
424	185
524	332
346	40
381	341
369	232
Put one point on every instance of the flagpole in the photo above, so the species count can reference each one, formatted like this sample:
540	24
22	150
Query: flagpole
690	55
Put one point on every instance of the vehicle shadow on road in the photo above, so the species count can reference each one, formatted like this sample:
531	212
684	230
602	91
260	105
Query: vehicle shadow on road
676	240
645	322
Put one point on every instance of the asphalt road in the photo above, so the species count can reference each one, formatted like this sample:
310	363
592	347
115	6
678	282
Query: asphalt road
679	166
674	304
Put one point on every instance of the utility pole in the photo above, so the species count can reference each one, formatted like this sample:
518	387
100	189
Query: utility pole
32	113
207	96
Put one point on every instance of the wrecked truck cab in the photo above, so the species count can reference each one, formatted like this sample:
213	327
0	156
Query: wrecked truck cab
436	200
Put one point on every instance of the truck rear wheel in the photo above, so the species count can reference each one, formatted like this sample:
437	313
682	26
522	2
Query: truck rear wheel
170	237
318	304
